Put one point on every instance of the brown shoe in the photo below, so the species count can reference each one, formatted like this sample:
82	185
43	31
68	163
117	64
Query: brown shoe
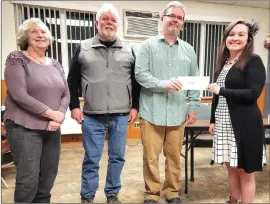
87	200
233	200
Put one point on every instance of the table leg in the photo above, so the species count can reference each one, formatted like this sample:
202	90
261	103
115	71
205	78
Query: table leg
186	162
191	156
4	183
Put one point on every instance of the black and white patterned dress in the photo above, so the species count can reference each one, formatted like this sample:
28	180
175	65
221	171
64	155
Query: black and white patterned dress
224	145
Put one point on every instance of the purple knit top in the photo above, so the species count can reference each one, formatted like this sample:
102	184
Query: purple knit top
32	89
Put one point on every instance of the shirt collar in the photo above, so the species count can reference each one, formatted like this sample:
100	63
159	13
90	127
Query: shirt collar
161	37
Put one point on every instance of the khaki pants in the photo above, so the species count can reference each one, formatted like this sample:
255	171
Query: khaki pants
154	138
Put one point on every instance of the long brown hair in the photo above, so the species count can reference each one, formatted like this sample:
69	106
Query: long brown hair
223	52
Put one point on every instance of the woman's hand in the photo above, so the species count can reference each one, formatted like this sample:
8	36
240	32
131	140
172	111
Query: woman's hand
56	116
53	126
214	88
211	128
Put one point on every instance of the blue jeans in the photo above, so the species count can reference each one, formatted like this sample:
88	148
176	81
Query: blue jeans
94	129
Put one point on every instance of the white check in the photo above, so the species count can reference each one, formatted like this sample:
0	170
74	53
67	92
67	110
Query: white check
194	82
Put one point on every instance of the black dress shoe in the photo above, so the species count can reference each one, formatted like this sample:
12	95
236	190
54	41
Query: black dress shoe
149	201
174	200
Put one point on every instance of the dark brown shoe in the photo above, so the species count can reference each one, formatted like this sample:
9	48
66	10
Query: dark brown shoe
174	200
149	201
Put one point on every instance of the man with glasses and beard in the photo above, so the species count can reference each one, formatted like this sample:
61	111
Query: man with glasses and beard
104	67
163	108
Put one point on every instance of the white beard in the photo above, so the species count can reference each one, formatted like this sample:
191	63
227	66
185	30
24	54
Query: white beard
109	35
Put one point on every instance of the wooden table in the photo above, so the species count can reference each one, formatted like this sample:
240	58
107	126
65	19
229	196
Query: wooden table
191	133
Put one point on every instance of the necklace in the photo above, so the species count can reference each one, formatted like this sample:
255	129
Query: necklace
43	62
228	63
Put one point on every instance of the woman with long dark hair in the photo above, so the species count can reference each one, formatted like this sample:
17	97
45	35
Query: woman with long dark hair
236	120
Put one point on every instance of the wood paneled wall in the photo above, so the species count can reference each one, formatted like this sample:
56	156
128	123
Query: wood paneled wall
260	101
3	91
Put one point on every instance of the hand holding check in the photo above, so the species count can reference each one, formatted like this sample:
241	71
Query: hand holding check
214	88
174	85
188	83
194	82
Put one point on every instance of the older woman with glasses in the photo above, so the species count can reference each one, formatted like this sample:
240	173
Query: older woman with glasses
36	103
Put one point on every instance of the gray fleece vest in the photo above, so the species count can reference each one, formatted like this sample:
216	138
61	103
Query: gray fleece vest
106	76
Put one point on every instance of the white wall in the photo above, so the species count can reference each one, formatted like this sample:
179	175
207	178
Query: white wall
8	40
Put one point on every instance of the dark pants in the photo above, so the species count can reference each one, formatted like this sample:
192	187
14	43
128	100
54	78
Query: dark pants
94	129
36	157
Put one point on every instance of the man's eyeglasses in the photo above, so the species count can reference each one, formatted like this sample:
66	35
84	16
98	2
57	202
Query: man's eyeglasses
180	18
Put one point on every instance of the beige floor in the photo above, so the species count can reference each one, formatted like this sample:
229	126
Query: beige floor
210	184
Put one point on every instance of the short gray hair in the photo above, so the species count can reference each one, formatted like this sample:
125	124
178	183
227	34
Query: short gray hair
174	4
22	37
108	8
